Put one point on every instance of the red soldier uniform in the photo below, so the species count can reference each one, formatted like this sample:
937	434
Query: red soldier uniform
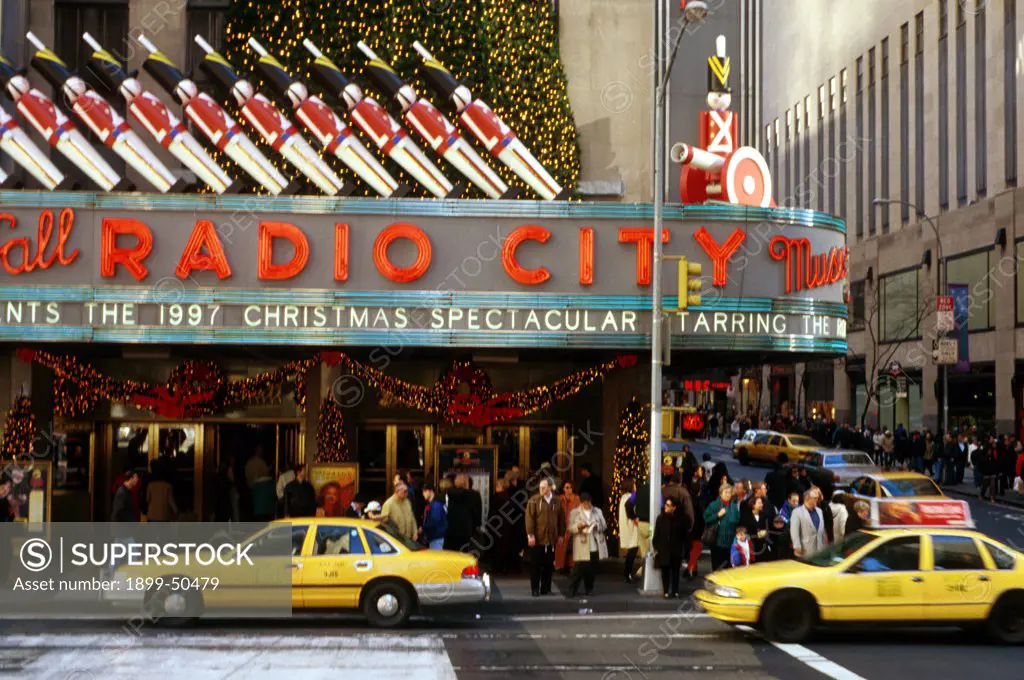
215	123
271	124
379	124
157	118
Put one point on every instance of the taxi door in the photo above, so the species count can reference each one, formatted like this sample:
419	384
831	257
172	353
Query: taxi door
272	570
962	582
334	566
769	451
886	584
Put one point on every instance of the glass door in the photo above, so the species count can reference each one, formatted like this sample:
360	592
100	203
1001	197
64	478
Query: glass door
372	445
178	459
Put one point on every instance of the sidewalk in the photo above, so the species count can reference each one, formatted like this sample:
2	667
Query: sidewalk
968	490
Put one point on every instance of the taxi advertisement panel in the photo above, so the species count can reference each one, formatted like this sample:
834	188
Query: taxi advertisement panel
942	512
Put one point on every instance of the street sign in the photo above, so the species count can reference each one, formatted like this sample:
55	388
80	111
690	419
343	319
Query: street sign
946	351
945	319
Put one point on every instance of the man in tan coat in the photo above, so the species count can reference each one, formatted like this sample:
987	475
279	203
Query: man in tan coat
398	509
545	522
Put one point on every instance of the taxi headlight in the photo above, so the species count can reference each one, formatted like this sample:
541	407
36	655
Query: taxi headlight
720	590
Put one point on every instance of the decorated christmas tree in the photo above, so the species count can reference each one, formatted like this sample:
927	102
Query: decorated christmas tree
330	434
506	51
631	460
19	429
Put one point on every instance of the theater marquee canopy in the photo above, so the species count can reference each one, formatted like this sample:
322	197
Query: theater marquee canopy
310	271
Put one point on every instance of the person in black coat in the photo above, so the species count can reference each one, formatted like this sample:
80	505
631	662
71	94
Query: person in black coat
670	538
757	518
856	520
719	474
779	542
460	519
777	482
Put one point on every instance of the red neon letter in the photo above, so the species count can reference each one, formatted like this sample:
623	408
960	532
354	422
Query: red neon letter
586	256
644	240
193	258
267	270
131	258
720	254
341	252
389	236
527	277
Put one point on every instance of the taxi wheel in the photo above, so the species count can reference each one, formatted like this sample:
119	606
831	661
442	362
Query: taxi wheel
1006	620
387	604
174	608
744	457
789	617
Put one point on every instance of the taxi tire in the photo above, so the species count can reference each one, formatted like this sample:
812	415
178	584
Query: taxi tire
1005	622
193	608
789	617
400	592
744	457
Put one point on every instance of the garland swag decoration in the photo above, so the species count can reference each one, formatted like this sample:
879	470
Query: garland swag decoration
464	395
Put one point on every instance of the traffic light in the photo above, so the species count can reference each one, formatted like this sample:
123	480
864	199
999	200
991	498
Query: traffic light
689	283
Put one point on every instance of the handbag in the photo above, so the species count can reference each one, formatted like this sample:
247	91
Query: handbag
710	535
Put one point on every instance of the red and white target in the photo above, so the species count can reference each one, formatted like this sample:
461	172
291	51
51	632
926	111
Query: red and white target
746	179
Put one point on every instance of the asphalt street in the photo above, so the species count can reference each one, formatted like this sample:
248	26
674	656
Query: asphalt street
599	639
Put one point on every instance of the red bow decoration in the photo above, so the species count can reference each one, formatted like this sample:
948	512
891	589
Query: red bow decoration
162	402
470	409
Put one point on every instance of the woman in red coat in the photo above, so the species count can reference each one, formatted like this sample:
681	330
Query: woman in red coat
563	551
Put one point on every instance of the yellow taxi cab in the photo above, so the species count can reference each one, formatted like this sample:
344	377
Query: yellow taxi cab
903	485
766	445
335	564
916	566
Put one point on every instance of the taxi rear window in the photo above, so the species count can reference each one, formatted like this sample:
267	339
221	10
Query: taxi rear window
903	488
1002	558
803	441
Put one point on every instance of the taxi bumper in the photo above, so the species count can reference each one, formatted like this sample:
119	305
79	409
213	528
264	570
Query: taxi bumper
730	610
466	591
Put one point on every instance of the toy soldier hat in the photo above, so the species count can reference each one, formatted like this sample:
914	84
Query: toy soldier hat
719	67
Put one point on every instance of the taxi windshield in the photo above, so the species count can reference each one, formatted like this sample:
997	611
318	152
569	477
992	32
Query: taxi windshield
803	441
903	488
837	553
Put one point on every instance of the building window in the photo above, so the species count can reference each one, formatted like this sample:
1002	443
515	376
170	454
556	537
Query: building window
899	305
980	107
961	105
830	169
842	140
943	106
919	146
821	149
108	23
885	133
872	137
975	272
778	152
789	155
858	304
806	200
860	139
207	18
905	122
1020	282
1010	91
795	189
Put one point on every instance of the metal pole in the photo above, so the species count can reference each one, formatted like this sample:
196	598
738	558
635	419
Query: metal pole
651	578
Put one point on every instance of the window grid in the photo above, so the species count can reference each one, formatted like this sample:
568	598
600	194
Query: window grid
980	108
904	123
943	106
1010	92
872	146
919	145
885	134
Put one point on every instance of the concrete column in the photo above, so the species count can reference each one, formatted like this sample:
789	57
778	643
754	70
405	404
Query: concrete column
314	394
799	391
1003	282
841	393
766	389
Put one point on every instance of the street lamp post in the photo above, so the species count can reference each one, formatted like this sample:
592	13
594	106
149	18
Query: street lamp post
941	276
693	11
